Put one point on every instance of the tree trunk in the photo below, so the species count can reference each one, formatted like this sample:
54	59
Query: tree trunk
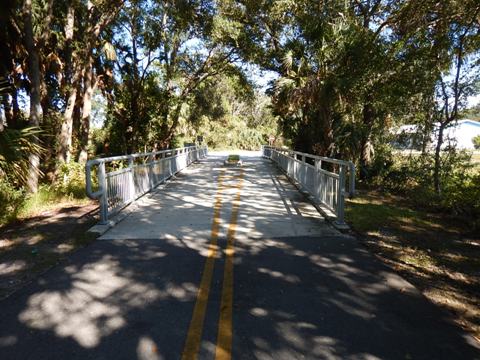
35	97
437	165
89	85
64	151
426	133
131	133
366	147
65	135
65	132
167	139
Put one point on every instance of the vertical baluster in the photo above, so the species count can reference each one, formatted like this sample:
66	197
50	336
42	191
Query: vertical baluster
340	195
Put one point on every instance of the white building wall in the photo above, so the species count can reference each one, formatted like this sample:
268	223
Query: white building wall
463	133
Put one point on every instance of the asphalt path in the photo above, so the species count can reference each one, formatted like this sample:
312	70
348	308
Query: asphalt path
226	262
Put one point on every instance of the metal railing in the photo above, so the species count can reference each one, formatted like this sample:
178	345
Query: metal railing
326	186
123	179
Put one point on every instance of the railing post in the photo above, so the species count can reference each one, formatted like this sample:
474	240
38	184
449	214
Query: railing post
318	164
131	181
151	183
102	182
351	190
341	197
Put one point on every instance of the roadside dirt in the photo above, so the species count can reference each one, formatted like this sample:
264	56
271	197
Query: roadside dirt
431	250
32	246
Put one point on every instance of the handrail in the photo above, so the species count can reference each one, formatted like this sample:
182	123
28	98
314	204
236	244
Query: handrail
349	164
134	156
119	188
327	187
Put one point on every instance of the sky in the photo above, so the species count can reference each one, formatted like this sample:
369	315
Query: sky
261	78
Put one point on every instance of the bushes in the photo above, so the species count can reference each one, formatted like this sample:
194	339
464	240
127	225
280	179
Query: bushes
462	195
11	201
412	176
70	180
234	135
476	142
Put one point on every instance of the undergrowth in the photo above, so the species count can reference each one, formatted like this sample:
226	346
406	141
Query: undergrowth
68	189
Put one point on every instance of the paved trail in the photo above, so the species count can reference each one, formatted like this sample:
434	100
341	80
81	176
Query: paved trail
225	263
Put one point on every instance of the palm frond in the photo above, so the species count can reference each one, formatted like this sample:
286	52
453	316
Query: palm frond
288	60
16	146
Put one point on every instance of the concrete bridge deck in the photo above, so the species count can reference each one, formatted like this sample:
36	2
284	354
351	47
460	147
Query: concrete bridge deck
225	262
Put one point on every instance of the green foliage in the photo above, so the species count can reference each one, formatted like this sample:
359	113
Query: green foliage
11	201
100	142
232	134
382	166
70	180
169	71
462	195
412	176
476	142
15	149
230	114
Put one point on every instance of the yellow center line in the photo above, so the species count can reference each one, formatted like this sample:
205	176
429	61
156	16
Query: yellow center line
194	335
224	338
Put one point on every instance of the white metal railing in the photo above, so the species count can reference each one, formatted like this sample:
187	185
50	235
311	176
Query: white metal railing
326	186
123	179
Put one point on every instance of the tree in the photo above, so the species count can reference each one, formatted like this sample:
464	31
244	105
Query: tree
168	49
337	73
35	118
462	37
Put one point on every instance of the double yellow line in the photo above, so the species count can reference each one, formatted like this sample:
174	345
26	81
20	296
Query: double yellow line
224	338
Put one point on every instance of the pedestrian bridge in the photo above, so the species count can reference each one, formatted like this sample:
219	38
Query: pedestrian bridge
123	179
209	199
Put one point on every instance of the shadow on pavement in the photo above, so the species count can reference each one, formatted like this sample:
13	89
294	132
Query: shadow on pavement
294	298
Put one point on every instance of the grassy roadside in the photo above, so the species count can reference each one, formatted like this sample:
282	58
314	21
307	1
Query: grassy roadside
46	200
17	205
434	252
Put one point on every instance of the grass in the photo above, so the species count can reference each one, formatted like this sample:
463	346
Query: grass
433	251
47	199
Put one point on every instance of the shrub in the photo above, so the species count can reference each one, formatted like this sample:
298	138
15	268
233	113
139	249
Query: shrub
461	195
70	180
11	201
476	142
412	176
